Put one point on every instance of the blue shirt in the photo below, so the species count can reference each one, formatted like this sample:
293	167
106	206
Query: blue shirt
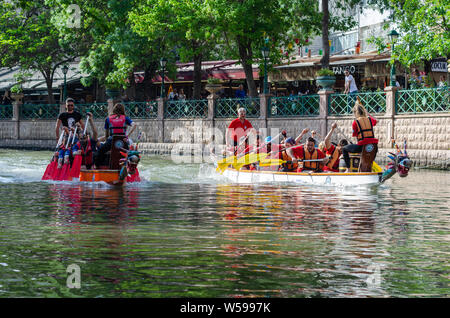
240	94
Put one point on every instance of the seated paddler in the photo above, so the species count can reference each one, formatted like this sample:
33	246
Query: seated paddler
363	131
115	124
65	148
308	157
288	166
86	145
332	150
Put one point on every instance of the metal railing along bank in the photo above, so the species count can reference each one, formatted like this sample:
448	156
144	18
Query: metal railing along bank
434	100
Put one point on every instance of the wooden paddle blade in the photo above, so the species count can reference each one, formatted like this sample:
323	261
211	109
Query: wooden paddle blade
134	177
271	162
64	172
227	160
49	170
56	173
376	167
249	159
76	167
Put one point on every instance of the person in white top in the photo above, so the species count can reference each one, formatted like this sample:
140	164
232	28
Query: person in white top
350	84
351	89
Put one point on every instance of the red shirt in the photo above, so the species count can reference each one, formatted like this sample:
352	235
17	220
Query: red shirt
365	141
298	152
239	129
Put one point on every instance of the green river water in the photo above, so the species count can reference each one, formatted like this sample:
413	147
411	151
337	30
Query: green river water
187	232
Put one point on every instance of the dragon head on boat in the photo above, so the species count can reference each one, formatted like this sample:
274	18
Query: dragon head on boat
400	163
129	162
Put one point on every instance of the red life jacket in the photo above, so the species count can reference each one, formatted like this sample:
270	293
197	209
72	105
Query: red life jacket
117	124
86	153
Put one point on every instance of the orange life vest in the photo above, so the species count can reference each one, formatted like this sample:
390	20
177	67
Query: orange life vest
334	159
365	128
314	165
288	166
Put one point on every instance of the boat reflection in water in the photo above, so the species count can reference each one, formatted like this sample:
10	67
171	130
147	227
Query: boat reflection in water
81	201
326	230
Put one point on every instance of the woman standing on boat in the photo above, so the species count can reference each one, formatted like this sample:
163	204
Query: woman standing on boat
115	124
363	130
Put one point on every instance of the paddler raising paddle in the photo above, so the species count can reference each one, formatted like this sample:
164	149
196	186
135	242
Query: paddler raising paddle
332	150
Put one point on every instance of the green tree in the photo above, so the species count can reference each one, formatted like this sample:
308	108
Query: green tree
114	51
246	26
30	41
337	19
424	28
181	27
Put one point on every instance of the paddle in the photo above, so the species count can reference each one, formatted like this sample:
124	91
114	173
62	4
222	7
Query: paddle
277	162
54	162
76	165
228	160
57	173
248	158
66	168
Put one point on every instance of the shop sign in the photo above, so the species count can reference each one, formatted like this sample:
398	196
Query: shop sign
439	66
293	74
338	70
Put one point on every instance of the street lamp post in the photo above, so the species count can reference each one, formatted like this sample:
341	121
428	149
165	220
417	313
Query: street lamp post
65	69
265	54
163	63
393	35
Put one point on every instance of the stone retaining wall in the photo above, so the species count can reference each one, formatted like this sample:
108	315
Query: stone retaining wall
427	134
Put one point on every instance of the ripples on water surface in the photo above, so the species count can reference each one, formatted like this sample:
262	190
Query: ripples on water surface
186	232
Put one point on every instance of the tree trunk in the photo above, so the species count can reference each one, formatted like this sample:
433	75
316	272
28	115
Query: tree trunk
150	72
245	54
197	76
48	76
325	60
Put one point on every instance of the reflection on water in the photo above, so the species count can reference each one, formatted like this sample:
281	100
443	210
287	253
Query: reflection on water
186	233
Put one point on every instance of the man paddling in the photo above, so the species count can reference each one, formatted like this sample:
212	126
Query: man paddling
86	145
238	128
308	152
69	118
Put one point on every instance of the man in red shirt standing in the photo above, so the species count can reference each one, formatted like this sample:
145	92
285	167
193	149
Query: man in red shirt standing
308	152
238	128
363	131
